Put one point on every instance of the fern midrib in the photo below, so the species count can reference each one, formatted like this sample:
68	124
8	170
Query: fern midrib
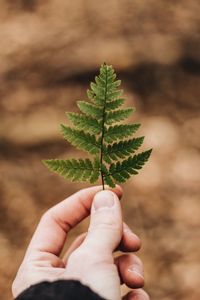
103	130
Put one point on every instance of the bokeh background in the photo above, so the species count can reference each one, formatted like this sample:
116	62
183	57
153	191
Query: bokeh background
49	52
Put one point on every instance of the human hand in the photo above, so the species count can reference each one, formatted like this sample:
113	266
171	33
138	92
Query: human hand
90	258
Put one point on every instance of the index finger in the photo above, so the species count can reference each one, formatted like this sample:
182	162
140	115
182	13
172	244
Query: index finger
53	227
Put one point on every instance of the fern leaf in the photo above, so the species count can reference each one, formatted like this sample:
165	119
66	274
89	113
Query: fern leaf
109	181
121	149
100	81
114	104
90	95
98	90
118	115
121	171
112	95
80	139
113	85
95	131
90	109
75	170
120	131
105	88
84	122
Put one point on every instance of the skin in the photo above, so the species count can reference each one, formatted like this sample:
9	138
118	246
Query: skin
90	257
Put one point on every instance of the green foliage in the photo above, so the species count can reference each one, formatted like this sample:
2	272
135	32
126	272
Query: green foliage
122	131
122	149
96	132
81	140
121	171
81	169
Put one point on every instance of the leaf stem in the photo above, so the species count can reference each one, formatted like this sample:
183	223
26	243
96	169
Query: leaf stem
102	135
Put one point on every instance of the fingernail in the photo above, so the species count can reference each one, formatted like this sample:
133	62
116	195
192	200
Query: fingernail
138	270
103	199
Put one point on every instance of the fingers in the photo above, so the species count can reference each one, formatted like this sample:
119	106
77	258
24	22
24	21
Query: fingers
130	241
105	229
136	295
130	270
51	232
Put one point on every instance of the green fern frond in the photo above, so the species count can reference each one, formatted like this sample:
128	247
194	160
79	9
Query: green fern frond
75	170
80	139
109	181
114	104
84	122
118	115
95	131
90	109
121	171
122	149
122	131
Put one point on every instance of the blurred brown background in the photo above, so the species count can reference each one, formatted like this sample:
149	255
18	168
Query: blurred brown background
49	52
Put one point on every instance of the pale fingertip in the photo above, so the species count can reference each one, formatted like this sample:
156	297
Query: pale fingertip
130	270
127	230
130	241
136	273
139	294
136	279
134	239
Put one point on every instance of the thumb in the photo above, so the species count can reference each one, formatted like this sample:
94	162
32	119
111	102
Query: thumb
105	229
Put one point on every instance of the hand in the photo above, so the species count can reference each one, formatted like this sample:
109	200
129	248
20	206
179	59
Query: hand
90	257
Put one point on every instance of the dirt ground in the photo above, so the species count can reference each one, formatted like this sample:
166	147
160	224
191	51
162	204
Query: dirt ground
49	52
